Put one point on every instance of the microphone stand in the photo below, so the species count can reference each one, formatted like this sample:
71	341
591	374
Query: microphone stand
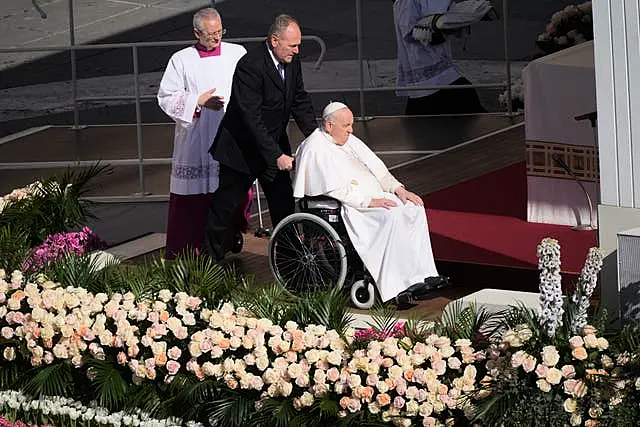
593	119
580	227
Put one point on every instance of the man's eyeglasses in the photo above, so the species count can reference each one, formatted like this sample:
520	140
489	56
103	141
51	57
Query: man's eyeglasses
218	33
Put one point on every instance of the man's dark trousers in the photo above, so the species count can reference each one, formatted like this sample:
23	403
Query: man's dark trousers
232	188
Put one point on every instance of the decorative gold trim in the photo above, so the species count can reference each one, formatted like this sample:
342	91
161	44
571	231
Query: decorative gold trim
581	159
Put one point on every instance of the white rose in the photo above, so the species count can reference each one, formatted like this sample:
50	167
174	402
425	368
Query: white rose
543	385
602	344
570	405
550	356
9	353
306	399
554	376
590	341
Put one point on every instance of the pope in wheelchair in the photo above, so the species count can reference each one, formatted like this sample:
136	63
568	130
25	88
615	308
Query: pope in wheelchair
350	202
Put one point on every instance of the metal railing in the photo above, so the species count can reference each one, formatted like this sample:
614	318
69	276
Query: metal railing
138	98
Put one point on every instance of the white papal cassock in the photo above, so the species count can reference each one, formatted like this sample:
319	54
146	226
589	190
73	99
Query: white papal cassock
188	75
394	243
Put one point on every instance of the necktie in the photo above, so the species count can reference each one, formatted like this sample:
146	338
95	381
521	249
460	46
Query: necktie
281	70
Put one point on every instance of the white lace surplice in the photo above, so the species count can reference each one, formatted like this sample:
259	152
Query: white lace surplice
187	76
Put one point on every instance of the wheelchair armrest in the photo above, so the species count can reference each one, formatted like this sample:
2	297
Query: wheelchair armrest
319	202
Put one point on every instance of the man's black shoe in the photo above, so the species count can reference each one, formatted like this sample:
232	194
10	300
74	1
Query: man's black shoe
238	242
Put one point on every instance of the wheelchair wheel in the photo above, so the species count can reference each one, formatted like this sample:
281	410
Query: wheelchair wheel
306	254
363	294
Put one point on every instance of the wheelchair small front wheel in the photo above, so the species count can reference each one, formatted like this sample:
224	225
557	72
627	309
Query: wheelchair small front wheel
363	294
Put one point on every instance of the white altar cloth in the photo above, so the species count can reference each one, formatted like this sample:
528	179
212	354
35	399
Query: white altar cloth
559	87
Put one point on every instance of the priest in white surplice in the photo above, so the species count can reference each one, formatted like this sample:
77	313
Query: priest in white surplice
386	223
194	90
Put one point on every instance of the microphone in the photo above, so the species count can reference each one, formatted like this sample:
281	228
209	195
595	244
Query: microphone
592	117
560	161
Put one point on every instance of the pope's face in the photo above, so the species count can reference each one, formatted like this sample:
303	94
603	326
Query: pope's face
341	126
286	45
210	35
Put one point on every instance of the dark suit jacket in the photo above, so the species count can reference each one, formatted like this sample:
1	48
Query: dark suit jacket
253	132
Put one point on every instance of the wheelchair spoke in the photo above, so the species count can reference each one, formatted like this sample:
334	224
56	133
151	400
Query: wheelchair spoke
306	256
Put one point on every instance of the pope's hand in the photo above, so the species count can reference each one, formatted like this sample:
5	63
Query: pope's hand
382	203
285	163
405	195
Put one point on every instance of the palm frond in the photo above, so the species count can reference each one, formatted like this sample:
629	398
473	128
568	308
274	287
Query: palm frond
467	321
138	279
629	339
146	398
9	375
230	409
110	388
276	413
384	317
50	380
14	246
78	271
328	308
418	326
272	302
189	395
56	205
197	276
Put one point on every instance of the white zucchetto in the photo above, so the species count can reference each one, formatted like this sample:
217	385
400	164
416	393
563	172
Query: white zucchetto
332	108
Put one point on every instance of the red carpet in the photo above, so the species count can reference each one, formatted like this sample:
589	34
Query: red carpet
483	222
503	241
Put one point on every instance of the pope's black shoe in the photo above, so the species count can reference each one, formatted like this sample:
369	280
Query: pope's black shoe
423	290
404	301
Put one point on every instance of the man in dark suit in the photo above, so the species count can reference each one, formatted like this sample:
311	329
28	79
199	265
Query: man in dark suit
252	139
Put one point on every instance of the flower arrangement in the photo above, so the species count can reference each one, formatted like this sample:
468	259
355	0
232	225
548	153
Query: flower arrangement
4	422
158	339
60	245
517	95
568	27
61	411
19	194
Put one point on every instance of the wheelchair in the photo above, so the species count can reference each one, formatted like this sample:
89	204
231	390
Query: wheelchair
311	251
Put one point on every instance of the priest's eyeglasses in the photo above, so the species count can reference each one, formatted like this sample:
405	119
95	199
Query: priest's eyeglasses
212	34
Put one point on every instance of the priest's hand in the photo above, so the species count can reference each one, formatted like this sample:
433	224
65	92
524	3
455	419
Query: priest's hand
382	203
211	101
405	196
285	163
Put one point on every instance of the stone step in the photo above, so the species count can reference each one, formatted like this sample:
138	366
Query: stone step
137	247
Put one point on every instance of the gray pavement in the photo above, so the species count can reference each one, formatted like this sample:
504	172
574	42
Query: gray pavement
34	87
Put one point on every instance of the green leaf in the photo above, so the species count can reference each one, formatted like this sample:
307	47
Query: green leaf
110	388
50	380
231	409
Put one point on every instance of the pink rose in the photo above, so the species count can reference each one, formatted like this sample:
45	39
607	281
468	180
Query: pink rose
398	402
568	371
333	374
174	353
173	367
122	358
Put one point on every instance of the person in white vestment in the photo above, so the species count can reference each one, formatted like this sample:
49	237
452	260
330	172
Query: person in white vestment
429	62
194	90
386	223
